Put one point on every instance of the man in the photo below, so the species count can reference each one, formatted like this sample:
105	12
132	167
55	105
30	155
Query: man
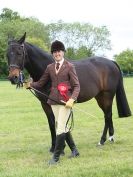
65	87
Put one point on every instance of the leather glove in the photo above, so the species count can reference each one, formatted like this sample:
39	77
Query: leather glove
70	103
27	85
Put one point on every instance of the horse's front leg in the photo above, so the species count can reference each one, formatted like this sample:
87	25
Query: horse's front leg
51	120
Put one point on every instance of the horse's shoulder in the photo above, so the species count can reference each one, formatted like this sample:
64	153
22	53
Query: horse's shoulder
69	64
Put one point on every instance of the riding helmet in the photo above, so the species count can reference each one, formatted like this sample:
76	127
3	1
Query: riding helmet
57	46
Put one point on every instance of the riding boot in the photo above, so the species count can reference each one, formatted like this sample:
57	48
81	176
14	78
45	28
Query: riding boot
72	145
60	139
51	150
63	152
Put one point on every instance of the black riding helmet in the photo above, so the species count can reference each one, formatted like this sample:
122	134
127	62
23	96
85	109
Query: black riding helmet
57	46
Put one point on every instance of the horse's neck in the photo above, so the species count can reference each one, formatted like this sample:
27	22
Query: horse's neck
36	61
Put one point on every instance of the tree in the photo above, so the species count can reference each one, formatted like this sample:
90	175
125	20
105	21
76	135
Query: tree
125	60
81	52
8	14
81	39
37	42
11	24
80	35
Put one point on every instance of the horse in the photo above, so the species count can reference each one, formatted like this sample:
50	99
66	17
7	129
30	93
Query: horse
99	78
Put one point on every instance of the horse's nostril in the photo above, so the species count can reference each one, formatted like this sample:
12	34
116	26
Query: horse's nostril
15	78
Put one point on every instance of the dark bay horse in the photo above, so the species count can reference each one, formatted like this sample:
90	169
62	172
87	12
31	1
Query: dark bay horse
99	78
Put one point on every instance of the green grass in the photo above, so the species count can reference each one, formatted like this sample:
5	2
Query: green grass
25	139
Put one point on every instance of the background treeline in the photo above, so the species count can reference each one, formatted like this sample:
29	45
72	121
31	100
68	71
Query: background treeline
81	39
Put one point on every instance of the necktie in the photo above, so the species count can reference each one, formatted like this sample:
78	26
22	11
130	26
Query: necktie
57	66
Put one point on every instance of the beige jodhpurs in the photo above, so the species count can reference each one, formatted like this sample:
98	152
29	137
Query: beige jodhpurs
61	114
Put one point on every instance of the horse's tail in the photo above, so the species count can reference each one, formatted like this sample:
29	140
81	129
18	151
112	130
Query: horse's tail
121	99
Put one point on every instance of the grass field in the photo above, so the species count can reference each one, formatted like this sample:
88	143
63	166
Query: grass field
25	139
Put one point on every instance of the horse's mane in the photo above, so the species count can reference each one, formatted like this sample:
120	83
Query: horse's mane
40	51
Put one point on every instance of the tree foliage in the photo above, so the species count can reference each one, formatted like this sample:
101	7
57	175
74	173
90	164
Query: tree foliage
14	26
9	15
81	39
81	36
125	60
77	54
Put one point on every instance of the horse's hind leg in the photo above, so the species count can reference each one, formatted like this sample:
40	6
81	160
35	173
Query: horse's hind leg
105	100
51	120
111	129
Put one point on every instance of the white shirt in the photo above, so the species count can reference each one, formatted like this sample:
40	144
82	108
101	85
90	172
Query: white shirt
61	63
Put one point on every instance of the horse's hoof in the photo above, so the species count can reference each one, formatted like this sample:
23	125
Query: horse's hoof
111	139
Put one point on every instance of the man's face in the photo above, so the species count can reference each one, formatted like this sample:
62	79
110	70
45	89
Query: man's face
58	55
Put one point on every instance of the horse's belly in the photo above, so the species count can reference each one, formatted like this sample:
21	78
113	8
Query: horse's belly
87	94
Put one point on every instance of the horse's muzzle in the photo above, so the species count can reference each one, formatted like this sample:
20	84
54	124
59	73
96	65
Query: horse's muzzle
14	75
13	79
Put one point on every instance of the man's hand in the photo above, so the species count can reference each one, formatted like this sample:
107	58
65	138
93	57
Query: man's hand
69	103
27	85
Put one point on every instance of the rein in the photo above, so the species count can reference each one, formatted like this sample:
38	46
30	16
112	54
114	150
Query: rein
60	103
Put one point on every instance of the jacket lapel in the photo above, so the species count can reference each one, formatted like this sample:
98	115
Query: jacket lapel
52	68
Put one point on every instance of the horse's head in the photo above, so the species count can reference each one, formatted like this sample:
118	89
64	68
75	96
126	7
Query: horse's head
16	58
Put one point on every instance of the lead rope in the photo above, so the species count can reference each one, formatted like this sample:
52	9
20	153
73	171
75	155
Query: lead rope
72	120
61	103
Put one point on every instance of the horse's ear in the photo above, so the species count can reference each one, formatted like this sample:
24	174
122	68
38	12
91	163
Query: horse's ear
22	39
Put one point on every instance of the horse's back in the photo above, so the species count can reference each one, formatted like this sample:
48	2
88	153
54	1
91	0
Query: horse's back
96	74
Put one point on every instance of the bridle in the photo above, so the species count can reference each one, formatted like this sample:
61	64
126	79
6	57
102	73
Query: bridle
21	68
23	57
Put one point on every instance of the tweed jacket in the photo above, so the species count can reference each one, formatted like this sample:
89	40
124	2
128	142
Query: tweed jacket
67	74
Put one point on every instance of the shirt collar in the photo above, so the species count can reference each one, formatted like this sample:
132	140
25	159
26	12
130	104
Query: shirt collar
61	62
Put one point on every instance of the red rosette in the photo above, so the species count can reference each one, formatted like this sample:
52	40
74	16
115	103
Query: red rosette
63	89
